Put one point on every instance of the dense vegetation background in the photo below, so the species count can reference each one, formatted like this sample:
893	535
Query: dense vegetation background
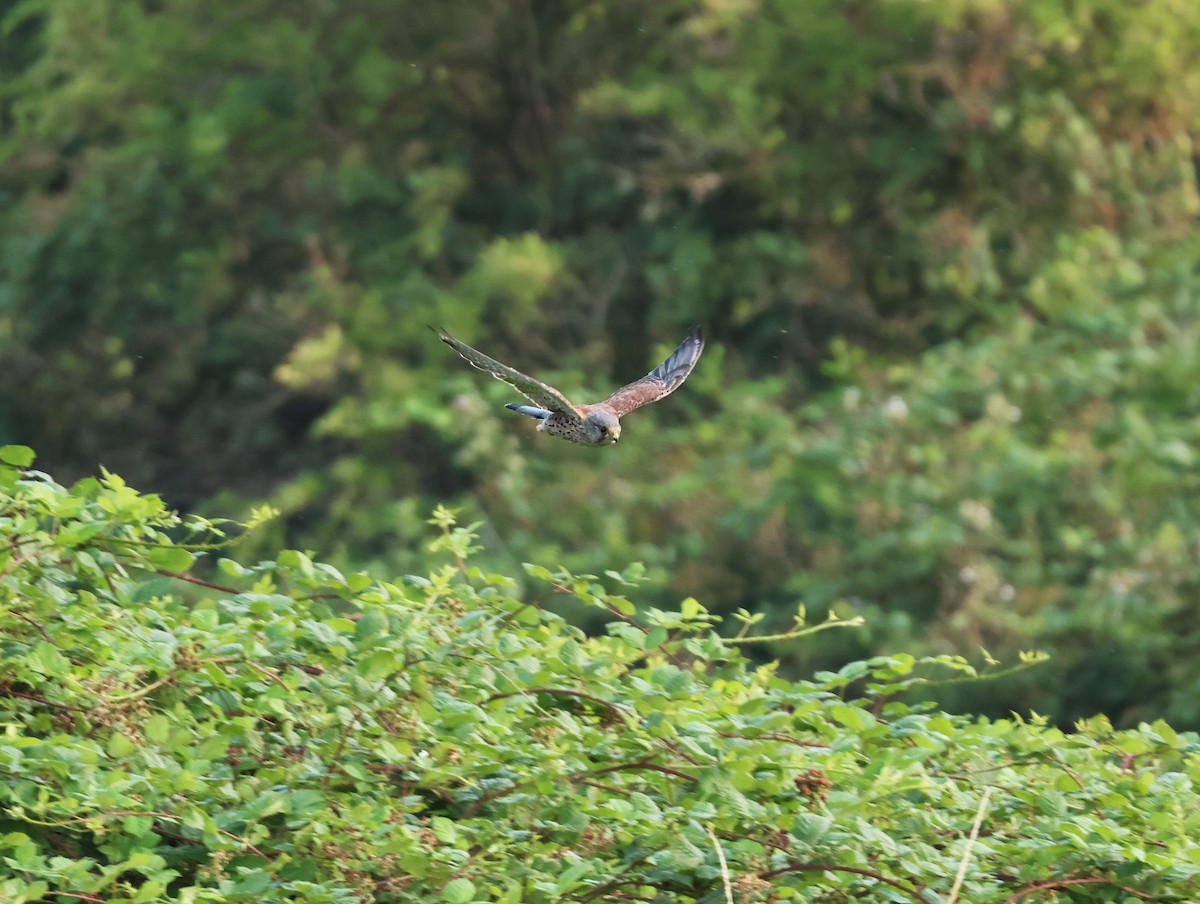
946	255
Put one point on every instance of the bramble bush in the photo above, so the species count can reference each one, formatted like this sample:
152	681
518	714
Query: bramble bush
281	731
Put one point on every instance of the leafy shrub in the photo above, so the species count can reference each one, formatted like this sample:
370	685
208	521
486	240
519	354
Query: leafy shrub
300	734
943	250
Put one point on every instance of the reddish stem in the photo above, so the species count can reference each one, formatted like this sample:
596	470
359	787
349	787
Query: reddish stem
1050	885
909	890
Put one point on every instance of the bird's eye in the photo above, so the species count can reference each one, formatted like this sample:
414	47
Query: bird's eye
603	429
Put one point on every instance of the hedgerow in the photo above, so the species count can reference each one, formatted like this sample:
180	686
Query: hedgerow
281	731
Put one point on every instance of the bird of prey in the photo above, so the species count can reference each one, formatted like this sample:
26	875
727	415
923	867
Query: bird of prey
590	425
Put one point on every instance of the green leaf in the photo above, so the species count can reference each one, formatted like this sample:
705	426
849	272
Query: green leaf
379	664
459	891
444	829
205	619
811	827
157	728
120	745
17	456
254	883
371	624
47	660
853	717
79	532
171	558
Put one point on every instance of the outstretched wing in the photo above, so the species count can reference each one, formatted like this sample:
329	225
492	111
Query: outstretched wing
661	381
536	391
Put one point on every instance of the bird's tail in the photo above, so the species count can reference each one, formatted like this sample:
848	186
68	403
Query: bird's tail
539	414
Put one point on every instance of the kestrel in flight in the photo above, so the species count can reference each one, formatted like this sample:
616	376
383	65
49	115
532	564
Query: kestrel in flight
591	425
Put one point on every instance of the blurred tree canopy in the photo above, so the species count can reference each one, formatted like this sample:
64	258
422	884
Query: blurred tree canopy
946	254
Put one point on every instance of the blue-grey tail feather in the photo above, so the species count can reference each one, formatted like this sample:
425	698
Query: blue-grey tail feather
537	413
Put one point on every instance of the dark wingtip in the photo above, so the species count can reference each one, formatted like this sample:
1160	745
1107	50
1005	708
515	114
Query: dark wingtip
511	406
445	337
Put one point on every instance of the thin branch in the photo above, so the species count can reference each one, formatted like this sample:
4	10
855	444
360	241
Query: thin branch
604	889
16	563
154	814
970	679
611	789
29	621
675	749
856	622
1052	884
633	767
1073	775
143	691
580	777
910	890
971	839
607	704
559	588
258	668
771	844
775	736
180	576
42	700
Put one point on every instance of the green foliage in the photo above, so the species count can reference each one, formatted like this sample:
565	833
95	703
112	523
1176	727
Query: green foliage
943	251
306	735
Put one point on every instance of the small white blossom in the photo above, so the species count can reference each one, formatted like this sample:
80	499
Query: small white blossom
896	409
1001	409
976	514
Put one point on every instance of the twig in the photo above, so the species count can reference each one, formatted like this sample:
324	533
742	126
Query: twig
7	692
1052	884
143	691
775	736
32	623
771	844
971	839
180	576
675	749
559	588
910	890
633	767
724	866
15	564
611	789
856	622
607	704
117	814
258	668
580	777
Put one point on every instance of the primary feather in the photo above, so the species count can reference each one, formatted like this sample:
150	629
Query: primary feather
660	382
535	390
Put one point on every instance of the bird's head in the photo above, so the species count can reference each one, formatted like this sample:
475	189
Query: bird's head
602	427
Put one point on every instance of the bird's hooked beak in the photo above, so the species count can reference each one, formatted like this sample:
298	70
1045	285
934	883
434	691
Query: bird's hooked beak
616	435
